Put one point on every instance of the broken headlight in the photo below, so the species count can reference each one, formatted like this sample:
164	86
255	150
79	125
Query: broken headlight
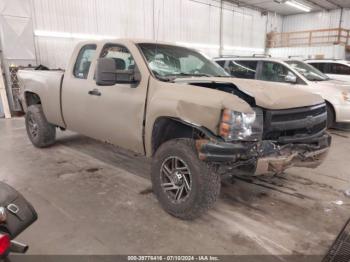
241	126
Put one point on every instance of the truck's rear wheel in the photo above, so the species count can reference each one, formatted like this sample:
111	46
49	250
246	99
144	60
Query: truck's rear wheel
40	132
184	185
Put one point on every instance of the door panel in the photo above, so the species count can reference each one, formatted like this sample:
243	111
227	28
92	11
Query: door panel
109	113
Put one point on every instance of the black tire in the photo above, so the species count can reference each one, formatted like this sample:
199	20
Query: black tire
204	182
330	116
40	132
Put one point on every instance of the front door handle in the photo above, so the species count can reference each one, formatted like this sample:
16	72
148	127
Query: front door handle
95	92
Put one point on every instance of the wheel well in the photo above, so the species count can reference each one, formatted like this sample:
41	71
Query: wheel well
32	99
165	129
331	106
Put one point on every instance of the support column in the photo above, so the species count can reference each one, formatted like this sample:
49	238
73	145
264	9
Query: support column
221	29
3	96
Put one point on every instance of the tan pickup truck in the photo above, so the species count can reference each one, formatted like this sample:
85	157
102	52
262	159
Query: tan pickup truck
177	107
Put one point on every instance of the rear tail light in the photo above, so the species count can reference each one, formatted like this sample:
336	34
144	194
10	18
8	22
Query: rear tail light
5	243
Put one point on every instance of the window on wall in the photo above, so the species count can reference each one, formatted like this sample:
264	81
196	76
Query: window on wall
243	69
83	62
121	56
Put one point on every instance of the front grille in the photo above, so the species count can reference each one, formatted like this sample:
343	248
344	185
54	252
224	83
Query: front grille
298	113
295	124
340	250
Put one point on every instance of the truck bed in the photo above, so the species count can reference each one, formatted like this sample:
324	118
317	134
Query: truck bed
47	84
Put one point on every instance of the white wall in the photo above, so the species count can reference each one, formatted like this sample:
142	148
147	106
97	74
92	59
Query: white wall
311	21
314	21
195	22
16	41
317	20
328	51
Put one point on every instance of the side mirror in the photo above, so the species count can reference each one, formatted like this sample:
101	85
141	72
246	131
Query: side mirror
290	78
107	73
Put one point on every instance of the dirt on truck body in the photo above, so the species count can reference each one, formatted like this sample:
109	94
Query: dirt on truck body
176	106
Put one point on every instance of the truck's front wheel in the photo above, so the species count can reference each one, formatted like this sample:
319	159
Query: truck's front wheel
40	132
184	185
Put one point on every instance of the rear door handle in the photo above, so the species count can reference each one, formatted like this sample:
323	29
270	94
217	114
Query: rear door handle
95	92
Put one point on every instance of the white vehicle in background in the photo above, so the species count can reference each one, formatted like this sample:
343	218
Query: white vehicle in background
296	74
335	69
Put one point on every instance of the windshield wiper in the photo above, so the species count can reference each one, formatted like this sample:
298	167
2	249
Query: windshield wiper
187	74
318	80
165	79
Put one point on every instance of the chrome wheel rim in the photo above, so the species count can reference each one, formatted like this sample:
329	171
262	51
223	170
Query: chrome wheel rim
32	126
176	179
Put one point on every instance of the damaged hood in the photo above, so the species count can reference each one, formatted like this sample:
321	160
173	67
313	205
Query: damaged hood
268	95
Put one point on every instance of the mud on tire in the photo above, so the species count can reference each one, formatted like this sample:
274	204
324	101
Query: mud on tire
40	132
176	165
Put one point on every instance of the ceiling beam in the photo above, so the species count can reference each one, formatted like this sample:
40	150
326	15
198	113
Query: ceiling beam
333	3
242	4
316	4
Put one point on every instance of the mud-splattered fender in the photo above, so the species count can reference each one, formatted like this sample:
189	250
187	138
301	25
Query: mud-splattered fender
193	104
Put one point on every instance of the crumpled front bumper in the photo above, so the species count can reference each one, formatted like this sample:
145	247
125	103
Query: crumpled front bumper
266	156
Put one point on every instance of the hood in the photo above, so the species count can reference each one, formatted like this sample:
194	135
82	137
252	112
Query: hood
337	84
268	95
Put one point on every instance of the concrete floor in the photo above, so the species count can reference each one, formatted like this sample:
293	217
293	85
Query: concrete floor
93	198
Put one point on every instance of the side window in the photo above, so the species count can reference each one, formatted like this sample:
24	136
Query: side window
243	69
339	69
275	72
221	63
83	62
323	67
319	66
121	56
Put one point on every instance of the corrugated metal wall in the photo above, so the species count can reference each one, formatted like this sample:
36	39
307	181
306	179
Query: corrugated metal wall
306	52
317	20
314	21
185	21
16	41
311	21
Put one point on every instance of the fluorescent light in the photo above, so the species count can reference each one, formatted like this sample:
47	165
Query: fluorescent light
241	48
198	45
44	33
226	47
298	5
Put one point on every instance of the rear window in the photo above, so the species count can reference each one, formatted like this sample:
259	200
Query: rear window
83	62
332	68
243	69
339	69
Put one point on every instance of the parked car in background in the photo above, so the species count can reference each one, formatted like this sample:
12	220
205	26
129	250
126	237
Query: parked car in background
181	109
335	69
296	74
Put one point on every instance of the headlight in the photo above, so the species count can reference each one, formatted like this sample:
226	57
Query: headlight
241	126
346	96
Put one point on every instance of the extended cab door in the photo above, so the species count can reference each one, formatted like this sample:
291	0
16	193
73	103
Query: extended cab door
109	113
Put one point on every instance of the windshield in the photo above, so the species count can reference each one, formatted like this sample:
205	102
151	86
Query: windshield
308	71
168	62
